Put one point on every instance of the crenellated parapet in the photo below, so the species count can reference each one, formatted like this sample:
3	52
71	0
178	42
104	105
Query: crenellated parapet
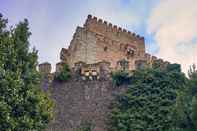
154	61
98	25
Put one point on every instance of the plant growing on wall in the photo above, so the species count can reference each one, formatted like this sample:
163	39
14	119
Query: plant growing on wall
65	74
121	77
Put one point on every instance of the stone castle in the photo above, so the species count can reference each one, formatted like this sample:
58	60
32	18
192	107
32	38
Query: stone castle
99	42
97	49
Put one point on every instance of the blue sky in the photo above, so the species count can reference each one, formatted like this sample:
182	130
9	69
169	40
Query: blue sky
169	26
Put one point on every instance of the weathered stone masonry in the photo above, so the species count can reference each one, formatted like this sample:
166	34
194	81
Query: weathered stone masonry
97	48
99	41
79	102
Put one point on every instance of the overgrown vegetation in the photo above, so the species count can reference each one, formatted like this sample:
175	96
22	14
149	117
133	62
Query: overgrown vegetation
64	75
23	106
185	109
121	77
157	99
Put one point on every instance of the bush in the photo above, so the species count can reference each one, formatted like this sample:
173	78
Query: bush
64	75
147	105
121	77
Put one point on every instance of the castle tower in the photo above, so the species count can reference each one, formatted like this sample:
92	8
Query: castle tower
44	68
99	41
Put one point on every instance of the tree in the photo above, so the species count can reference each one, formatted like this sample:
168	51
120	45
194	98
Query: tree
147	105
192	73
23	106
185	110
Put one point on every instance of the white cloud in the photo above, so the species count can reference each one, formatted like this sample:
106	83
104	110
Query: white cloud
174	24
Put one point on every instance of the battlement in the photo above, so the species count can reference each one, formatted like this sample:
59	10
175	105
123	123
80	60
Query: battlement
98	25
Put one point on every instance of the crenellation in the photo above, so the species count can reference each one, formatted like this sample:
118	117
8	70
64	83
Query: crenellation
94	19
142	38
120	29
153	58
89	16
99	25
115	29
110	25
100	21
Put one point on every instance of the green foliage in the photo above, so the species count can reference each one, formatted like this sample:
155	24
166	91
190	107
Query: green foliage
185	110
121	77
64	75
157	64
149	101
173	68
23	106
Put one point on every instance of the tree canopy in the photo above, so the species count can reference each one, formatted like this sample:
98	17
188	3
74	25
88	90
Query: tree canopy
23	106
185	109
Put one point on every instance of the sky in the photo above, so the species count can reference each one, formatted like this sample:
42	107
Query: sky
169	26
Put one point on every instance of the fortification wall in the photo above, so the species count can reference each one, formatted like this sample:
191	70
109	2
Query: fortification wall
78	102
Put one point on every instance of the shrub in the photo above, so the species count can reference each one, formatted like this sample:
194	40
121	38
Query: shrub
64	75
147	105
121	77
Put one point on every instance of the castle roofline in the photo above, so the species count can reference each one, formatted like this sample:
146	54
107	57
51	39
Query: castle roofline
93	20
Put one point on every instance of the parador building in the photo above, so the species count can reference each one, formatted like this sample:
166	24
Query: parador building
97	49
100	45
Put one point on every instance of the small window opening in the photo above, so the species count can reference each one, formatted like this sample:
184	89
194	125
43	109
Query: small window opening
105	48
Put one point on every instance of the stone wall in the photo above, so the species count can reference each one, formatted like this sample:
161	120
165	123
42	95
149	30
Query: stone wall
78	102
110	31
82	47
